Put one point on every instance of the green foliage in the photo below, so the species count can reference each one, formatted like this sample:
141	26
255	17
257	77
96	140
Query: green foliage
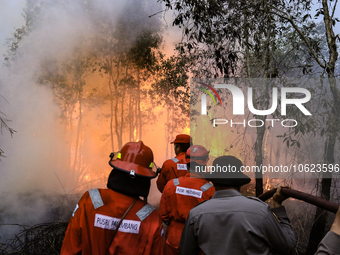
32	14
172	83
212	32
171	89
142	54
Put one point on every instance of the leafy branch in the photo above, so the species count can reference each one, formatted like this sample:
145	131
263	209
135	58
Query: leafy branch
284	15
4	125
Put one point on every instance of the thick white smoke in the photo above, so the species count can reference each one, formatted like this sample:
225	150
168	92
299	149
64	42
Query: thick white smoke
37	160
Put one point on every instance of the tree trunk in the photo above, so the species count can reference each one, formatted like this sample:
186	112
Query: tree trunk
167	133
118	135
111	115
263	104
319	225
259	156
131	119
121	124
318	228
112	100
135	130
114	107
76	167
140	124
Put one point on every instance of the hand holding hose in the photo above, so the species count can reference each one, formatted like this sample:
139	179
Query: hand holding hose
336	224
278	197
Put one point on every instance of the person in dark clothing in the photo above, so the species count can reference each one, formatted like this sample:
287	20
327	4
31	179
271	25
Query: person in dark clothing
230	223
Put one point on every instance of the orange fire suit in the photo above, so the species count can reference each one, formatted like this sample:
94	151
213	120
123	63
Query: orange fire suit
178	198
172	169
97	215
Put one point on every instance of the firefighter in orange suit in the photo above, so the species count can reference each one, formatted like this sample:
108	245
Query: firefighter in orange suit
181	195
116	220
175	167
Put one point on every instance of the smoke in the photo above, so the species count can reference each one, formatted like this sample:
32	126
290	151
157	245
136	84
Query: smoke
11	18
35	152
37	166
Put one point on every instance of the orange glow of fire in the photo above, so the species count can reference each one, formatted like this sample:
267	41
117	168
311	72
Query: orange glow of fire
267	185
186	130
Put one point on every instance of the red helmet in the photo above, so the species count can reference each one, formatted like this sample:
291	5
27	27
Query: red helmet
134	158
182	138
198	154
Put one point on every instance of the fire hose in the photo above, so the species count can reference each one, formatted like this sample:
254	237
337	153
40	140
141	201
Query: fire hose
317	201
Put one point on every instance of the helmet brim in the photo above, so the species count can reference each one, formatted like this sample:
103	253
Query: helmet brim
198	161
128	166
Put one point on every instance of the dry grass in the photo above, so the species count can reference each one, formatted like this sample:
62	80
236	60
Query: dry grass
42	239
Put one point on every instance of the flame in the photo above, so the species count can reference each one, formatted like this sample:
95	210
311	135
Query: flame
267	185
186	130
